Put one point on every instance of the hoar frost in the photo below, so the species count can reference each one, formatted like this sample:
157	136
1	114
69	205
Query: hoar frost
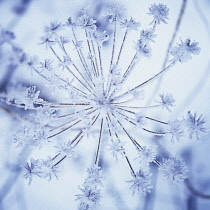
91	78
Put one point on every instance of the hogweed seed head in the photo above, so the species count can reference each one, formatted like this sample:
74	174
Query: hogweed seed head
91	80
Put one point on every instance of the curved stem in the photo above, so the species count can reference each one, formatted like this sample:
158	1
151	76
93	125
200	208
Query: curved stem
194	191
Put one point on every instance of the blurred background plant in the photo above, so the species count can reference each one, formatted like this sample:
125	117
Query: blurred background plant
189	85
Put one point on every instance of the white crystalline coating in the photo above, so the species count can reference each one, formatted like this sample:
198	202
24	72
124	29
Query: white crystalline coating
98	101
184	51
159	12
176	130
174	170
166	101
141	182
146	155
195	125
23	96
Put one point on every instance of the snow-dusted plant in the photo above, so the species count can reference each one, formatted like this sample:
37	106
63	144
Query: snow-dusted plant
94	101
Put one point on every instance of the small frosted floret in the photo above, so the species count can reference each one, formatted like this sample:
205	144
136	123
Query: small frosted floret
137	94
159	12
23	136
191	47
63	40
66	149
41	168
94	179
184	51
53	28
130	24
46	65
65	63
114	11
54	82
115	71
32	93
140	120
143	48
86	22
31	169
44	115
47	40
116	147
147	36
176	130
70	23
78	45
166	101
195	125
116	82
146	155
32	62
89	199
101	37
174	170
23	96
141	182
48	169
31	136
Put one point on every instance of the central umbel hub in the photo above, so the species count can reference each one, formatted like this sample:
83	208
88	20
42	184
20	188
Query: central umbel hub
103	103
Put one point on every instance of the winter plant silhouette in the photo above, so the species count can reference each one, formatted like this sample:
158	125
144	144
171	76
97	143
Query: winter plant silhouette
96	103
